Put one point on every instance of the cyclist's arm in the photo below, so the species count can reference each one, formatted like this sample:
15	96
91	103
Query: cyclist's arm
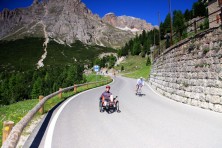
137	83
143	83
101	96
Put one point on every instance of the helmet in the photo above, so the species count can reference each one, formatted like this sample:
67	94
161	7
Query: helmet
141	77
108	86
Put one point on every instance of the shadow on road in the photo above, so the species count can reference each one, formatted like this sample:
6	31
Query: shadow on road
140	95
110	111
38	138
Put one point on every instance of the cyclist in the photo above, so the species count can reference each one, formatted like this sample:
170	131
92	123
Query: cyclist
106	96
139	84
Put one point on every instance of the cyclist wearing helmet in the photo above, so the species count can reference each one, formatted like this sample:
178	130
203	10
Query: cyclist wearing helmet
140	83
107	95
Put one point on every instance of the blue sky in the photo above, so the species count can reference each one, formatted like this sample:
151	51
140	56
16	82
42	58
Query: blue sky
144	9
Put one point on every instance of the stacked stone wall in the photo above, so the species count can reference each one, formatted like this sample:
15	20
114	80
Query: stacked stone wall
191	72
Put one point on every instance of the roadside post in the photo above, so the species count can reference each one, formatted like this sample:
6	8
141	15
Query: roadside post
7	127
96	69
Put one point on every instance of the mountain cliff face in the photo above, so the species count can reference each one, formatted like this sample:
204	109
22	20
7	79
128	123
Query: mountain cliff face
127	23
62	20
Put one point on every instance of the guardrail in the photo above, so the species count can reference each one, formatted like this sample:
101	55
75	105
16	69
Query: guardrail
12	135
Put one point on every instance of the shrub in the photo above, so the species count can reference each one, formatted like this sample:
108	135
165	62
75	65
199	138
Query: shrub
206	50
122	68
185	84
191	47
148	62
206	23
201	27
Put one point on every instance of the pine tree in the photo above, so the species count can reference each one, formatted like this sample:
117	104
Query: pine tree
206	23
79	73
143	53
178	22
55	87
12	84
143	37
119	52
5	98
47	83
112	61
187	15
37	88
147	47
136	48
122	68
162	30
148	62
71	75
167	24
199	9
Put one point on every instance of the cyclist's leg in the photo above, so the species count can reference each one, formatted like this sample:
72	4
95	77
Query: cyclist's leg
140	89
103	100
111	98
137	87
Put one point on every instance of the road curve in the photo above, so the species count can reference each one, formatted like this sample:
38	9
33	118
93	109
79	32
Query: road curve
148	121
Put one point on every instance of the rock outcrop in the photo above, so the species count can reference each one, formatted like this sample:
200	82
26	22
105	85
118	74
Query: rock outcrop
66	20
127	23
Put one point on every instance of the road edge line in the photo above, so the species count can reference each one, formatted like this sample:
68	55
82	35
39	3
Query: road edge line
153	90
49	134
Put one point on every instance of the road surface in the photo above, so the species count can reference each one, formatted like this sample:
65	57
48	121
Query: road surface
149	121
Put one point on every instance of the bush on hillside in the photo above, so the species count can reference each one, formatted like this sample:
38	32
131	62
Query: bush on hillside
148	62
122	68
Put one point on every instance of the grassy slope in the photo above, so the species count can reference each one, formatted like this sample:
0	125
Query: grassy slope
135	67
23	54
59	54
16	111
94	77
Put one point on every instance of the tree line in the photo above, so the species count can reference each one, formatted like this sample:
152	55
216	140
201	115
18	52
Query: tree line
106	61
180	20
140	45
23	85
30	84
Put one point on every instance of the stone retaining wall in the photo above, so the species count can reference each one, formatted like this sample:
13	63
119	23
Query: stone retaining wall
191	72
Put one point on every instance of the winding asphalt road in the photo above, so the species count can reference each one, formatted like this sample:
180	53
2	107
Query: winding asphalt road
150	121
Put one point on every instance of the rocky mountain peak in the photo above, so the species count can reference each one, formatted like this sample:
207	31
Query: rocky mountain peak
35	2
64	20
127	22
6	14
110	18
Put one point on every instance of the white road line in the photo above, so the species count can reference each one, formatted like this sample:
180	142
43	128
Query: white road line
49	135
153	90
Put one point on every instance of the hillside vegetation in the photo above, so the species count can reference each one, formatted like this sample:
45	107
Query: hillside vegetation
23	54
64	66
59	54
135	67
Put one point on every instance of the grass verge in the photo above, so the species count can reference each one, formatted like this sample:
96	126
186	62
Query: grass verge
135	67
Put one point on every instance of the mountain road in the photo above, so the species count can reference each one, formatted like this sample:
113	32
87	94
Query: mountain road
145	121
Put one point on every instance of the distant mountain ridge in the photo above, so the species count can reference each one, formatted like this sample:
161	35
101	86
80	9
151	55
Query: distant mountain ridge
66	21
127	23
63	20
